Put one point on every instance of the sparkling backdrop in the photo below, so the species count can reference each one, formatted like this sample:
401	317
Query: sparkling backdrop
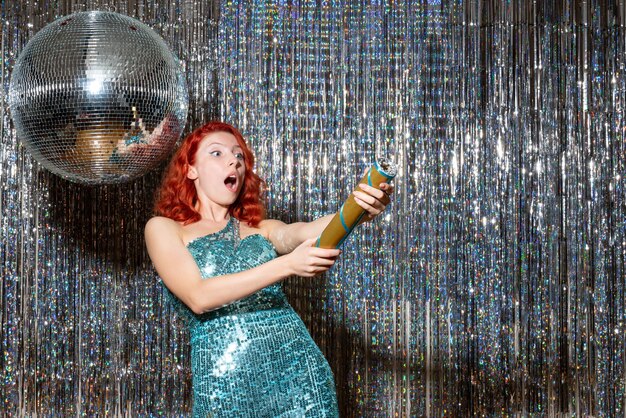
83	327
495	284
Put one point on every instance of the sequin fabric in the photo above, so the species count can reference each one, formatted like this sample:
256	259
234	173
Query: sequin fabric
253	357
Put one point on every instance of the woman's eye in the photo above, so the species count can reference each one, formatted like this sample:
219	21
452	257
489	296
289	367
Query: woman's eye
239	156
216	153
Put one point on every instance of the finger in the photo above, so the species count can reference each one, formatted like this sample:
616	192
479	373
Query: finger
369	196
313	271
372	191
387	188
325	252
370	210
362	204
316	273
386	199
309	242
323	262
379	194
371	203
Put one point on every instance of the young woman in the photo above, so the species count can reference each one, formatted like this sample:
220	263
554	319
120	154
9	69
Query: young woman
251	355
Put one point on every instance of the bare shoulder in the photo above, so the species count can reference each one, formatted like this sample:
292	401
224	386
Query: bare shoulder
281	235
162	226
270	225
277	232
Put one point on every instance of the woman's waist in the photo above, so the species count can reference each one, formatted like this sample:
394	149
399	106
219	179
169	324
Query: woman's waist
260	320
267	300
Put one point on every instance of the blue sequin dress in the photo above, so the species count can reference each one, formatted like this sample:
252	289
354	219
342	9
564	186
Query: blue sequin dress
254	357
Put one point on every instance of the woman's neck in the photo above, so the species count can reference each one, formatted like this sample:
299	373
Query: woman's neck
213	212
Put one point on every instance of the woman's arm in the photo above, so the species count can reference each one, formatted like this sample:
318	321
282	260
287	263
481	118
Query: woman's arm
181	275
286	237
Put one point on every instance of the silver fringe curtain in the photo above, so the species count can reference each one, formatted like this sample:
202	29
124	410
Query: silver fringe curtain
494	285
85	330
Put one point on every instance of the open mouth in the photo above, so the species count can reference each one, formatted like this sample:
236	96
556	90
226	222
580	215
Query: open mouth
231	183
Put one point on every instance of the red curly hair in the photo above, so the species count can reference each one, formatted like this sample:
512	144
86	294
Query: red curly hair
177	197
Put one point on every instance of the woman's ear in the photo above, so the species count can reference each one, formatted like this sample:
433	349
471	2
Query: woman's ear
192	174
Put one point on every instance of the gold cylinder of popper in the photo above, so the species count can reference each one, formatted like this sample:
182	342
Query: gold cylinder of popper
350	213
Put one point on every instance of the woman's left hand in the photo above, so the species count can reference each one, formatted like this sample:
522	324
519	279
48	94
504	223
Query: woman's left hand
373	200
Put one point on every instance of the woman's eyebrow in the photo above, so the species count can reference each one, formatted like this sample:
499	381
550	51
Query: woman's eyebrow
224	145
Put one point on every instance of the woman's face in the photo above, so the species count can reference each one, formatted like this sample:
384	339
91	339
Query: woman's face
219	169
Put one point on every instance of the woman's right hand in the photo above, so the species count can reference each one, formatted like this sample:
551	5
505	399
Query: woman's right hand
309	261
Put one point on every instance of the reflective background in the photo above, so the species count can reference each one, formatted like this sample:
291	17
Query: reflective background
494	286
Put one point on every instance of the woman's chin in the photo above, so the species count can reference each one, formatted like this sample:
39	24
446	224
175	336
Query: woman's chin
229	200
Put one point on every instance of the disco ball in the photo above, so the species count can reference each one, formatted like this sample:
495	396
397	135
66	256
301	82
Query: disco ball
98	97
